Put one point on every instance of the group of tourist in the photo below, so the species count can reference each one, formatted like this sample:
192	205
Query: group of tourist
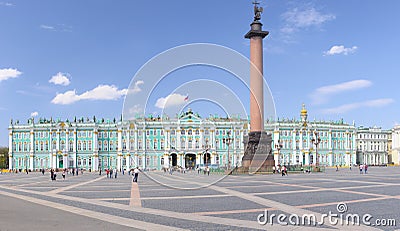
363	167
111	173
280	169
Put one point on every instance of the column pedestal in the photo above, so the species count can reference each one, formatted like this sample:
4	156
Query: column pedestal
258	155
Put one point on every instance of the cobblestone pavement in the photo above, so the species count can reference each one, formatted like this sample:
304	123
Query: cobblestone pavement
193	201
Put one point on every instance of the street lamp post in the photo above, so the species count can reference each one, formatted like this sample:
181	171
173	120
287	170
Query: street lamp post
316	140
228	141
278	147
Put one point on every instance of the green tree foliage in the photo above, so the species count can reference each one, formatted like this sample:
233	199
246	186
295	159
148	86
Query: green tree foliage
3	157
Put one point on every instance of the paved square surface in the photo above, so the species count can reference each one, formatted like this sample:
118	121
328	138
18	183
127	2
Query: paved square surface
193	201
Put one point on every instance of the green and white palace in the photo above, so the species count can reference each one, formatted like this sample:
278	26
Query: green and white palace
161	142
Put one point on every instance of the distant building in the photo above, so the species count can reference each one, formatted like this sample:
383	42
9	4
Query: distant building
188	141
395	157
372	145
293	142
149	143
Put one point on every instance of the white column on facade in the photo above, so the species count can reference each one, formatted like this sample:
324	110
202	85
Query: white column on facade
67	140
31	162
65	159
54	160
178	138
74	155
95	144
32	139
135	143
10	151
213	144
119	152
128	161
167	143
166	160
294	147
143	162
58	140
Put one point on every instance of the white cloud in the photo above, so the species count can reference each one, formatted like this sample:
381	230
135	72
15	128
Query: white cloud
136	109
60	79
34	114
170	101
58	27
322	94
101	92
336	50
9	73
296	19
368	104
137	88
6	4
47	27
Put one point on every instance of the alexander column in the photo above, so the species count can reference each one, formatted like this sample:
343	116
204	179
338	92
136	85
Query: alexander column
259	142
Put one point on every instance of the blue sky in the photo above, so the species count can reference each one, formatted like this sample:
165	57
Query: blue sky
65	58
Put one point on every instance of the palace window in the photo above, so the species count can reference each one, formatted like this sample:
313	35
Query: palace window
124	144
90	145
100	145
105	145
183	143
173	132
154	144
162	132
162	144
147	144
62	145
111	145
190	144
183	132
131	144
71	146
54	145
197	145
197	132
140	145
206	132
190	132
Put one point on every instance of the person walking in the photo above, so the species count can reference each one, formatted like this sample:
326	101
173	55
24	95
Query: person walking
365	168
63	174
52	174
111	173
135	174
115	170
361	168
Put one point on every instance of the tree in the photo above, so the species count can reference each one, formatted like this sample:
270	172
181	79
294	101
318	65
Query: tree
3	157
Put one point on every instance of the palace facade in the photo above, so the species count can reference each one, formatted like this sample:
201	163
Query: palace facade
187	140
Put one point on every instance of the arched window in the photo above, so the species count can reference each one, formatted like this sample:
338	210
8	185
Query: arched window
162	144
154	144
84	146
183	143
190	132
62	145
132	144
90	145
124	144
197	132
79	146
71	146
100	145
41	145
